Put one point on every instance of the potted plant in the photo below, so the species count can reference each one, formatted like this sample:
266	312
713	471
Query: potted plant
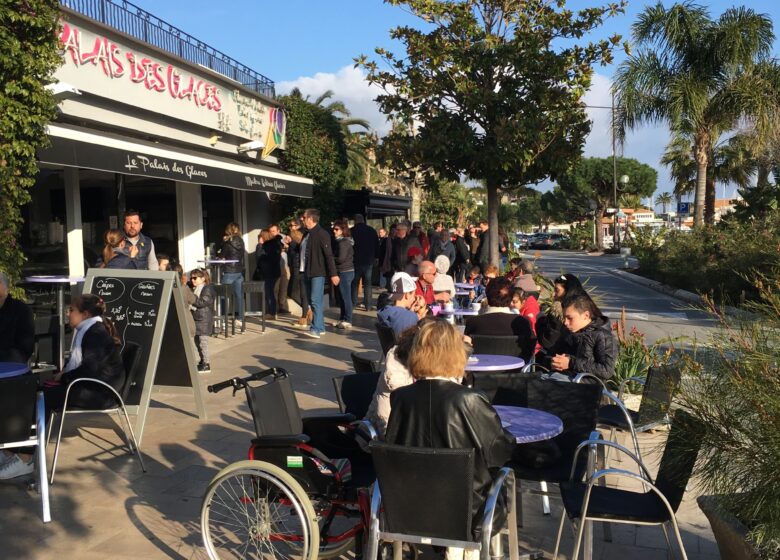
735	395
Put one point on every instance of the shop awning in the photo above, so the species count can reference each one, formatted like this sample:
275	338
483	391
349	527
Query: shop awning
92	149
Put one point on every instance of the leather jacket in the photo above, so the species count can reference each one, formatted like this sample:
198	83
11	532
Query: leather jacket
233	249
443	414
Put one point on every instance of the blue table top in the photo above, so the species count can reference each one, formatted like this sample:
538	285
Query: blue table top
493	362
528	424
12	369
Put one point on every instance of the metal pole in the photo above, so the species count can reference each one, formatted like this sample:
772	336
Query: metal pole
615	235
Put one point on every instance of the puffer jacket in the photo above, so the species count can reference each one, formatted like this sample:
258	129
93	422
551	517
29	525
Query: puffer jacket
233	249
204	311
442	414
344	254
593	350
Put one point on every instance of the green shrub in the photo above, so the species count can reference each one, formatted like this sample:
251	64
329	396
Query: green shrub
635	356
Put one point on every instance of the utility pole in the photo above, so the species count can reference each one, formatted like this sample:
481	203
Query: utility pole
616	236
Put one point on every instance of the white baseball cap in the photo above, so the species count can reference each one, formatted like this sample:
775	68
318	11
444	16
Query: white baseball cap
400	284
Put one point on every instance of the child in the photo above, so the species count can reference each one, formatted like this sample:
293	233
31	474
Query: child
525	305
203	313
515	270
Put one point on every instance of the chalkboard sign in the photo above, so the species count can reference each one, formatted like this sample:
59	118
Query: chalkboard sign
147	308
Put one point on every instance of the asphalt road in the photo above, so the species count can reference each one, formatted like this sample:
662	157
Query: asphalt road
656	315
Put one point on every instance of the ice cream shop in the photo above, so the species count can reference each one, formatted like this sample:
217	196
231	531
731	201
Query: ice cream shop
154	120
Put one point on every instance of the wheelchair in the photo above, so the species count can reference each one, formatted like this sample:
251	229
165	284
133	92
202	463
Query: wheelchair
304	490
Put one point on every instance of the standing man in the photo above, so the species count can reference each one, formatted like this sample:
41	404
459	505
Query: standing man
145	259
462	256
401	245
366	244
483	250
318	263
280	287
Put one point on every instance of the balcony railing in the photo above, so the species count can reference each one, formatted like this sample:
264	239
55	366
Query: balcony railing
136	22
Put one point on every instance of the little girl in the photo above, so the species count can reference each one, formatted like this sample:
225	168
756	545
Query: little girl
203	313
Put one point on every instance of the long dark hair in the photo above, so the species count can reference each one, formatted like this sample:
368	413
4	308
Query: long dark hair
93	306
582	302
571	285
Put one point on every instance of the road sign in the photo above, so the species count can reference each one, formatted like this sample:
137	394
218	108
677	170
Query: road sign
683	207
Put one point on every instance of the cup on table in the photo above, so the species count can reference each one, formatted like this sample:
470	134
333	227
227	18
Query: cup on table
476	306
449	306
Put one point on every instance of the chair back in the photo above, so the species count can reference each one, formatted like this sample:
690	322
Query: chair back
576	404
679	457
501	345
274	409
131	358
660	387
425	492
503	387
17	407
387	337
363	364
355	392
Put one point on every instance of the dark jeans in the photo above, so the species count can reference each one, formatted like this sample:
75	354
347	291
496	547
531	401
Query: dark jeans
270	295
362	272
345	287
237	281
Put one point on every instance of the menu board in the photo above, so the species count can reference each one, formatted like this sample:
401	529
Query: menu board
148	309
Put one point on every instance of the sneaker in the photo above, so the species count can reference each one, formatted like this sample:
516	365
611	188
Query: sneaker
313	334
344	325
15	467
361	307
6	456
204	368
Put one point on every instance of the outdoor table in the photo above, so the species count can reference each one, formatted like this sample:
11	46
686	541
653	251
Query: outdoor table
493	362
217	264
528	424
13	369
461	292
459	312
60	281
465	285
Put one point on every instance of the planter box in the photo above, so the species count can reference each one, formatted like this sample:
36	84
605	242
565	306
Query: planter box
730	533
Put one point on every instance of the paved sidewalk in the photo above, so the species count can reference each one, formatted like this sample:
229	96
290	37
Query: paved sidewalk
103	506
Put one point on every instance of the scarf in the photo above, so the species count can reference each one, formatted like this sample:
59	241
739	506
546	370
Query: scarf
75	348
197	291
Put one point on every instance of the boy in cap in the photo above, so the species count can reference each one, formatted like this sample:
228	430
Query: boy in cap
408	308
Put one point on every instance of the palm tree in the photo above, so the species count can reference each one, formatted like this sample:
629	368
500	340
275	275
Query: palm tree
700	76
664	199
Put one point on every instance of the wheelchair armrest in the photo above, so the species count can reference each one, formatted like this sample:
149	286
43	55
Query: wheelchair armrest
281	441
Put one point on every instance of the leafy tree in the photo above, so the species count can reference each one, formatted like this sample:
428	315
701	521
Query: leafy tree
449	202
592	180
28	58
700	76
493	88
316	148
664	200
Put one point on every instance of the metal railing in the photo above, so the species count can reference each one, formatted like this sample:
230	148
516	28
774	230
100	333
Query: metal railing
136	22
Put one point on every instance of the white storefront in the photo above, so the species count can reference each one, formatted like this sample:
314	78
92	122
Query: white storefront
141	128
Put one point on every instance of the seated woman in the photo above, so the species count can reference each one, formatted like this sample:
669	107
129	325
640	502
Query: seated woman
443	283
437	411
94	354
116	253
591	345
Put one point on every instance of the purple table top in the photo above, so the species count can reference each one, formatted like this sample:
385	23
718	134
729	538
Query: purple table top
493	362
461	292
528	424
459	312
464	285
12	369
53	279
219	261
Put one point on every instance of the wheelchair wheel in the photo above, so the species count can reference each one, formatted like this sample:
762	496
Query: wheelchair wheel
338	538
254	509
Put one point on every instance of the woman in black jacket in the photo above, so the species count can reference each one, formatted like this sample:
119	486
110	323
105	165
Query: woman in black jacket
94	354
344	257
269	269
233	249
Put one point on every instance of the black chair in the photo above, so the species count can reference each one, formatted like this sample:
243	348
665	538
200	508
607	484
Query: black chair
425	497
254	287
46	340
23	424
131	359
657	505
659	389
355	391
503	345
503	387
364	364
387	337
550	461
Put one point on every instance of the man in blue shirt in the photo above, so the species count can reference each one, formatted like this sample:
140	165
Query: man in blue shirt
408	307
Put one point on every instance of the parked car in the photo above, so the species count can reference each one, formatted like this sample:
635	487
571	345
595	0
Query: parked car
521	241
546	241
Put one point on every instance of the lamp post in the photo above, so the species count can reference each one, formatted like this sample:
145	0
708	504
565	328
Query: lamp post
619	214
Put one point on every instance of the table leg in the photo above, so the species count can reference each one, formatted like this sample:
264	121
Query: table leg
61	326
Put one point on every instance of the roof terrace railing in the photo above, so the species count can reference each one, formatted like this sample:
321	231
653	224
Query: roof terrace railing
136	22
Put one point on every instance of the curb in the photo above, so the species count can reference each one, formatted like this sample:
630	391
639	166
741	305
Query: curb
682	295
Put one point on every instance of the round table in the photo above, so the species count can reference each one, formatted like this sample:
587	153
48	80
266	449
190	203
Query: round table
217	263
13	369
459	312
493	362
60	281
461	292
528	424
464	285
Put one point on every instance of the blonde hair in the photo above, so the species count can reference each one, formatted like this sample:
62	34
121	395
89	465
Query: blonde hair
112	239
232	230
437	351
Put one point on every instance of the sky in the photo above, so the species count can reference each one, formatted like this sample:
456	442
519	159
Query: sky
311	44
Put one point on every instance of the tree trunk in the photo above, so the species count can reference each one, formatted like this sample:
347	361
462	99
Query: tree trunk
700	152
493	202
709	202
599	216
415	190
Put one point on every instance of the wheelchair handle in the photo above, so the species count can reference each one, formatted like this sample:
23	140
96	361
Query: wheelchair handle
241	382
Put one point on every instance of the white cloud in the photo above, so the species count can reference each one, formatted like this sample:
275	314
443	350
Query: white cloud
349	86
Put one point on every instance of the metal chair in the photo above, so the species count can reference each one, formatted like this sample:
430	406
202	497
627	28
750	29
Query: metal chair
387	337
254	287
354	392
131	358
364	364
23	424
425	497
589	501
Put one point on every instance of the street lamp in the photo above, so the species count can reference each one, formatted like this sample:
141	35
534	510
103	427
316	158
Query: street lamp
619	214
